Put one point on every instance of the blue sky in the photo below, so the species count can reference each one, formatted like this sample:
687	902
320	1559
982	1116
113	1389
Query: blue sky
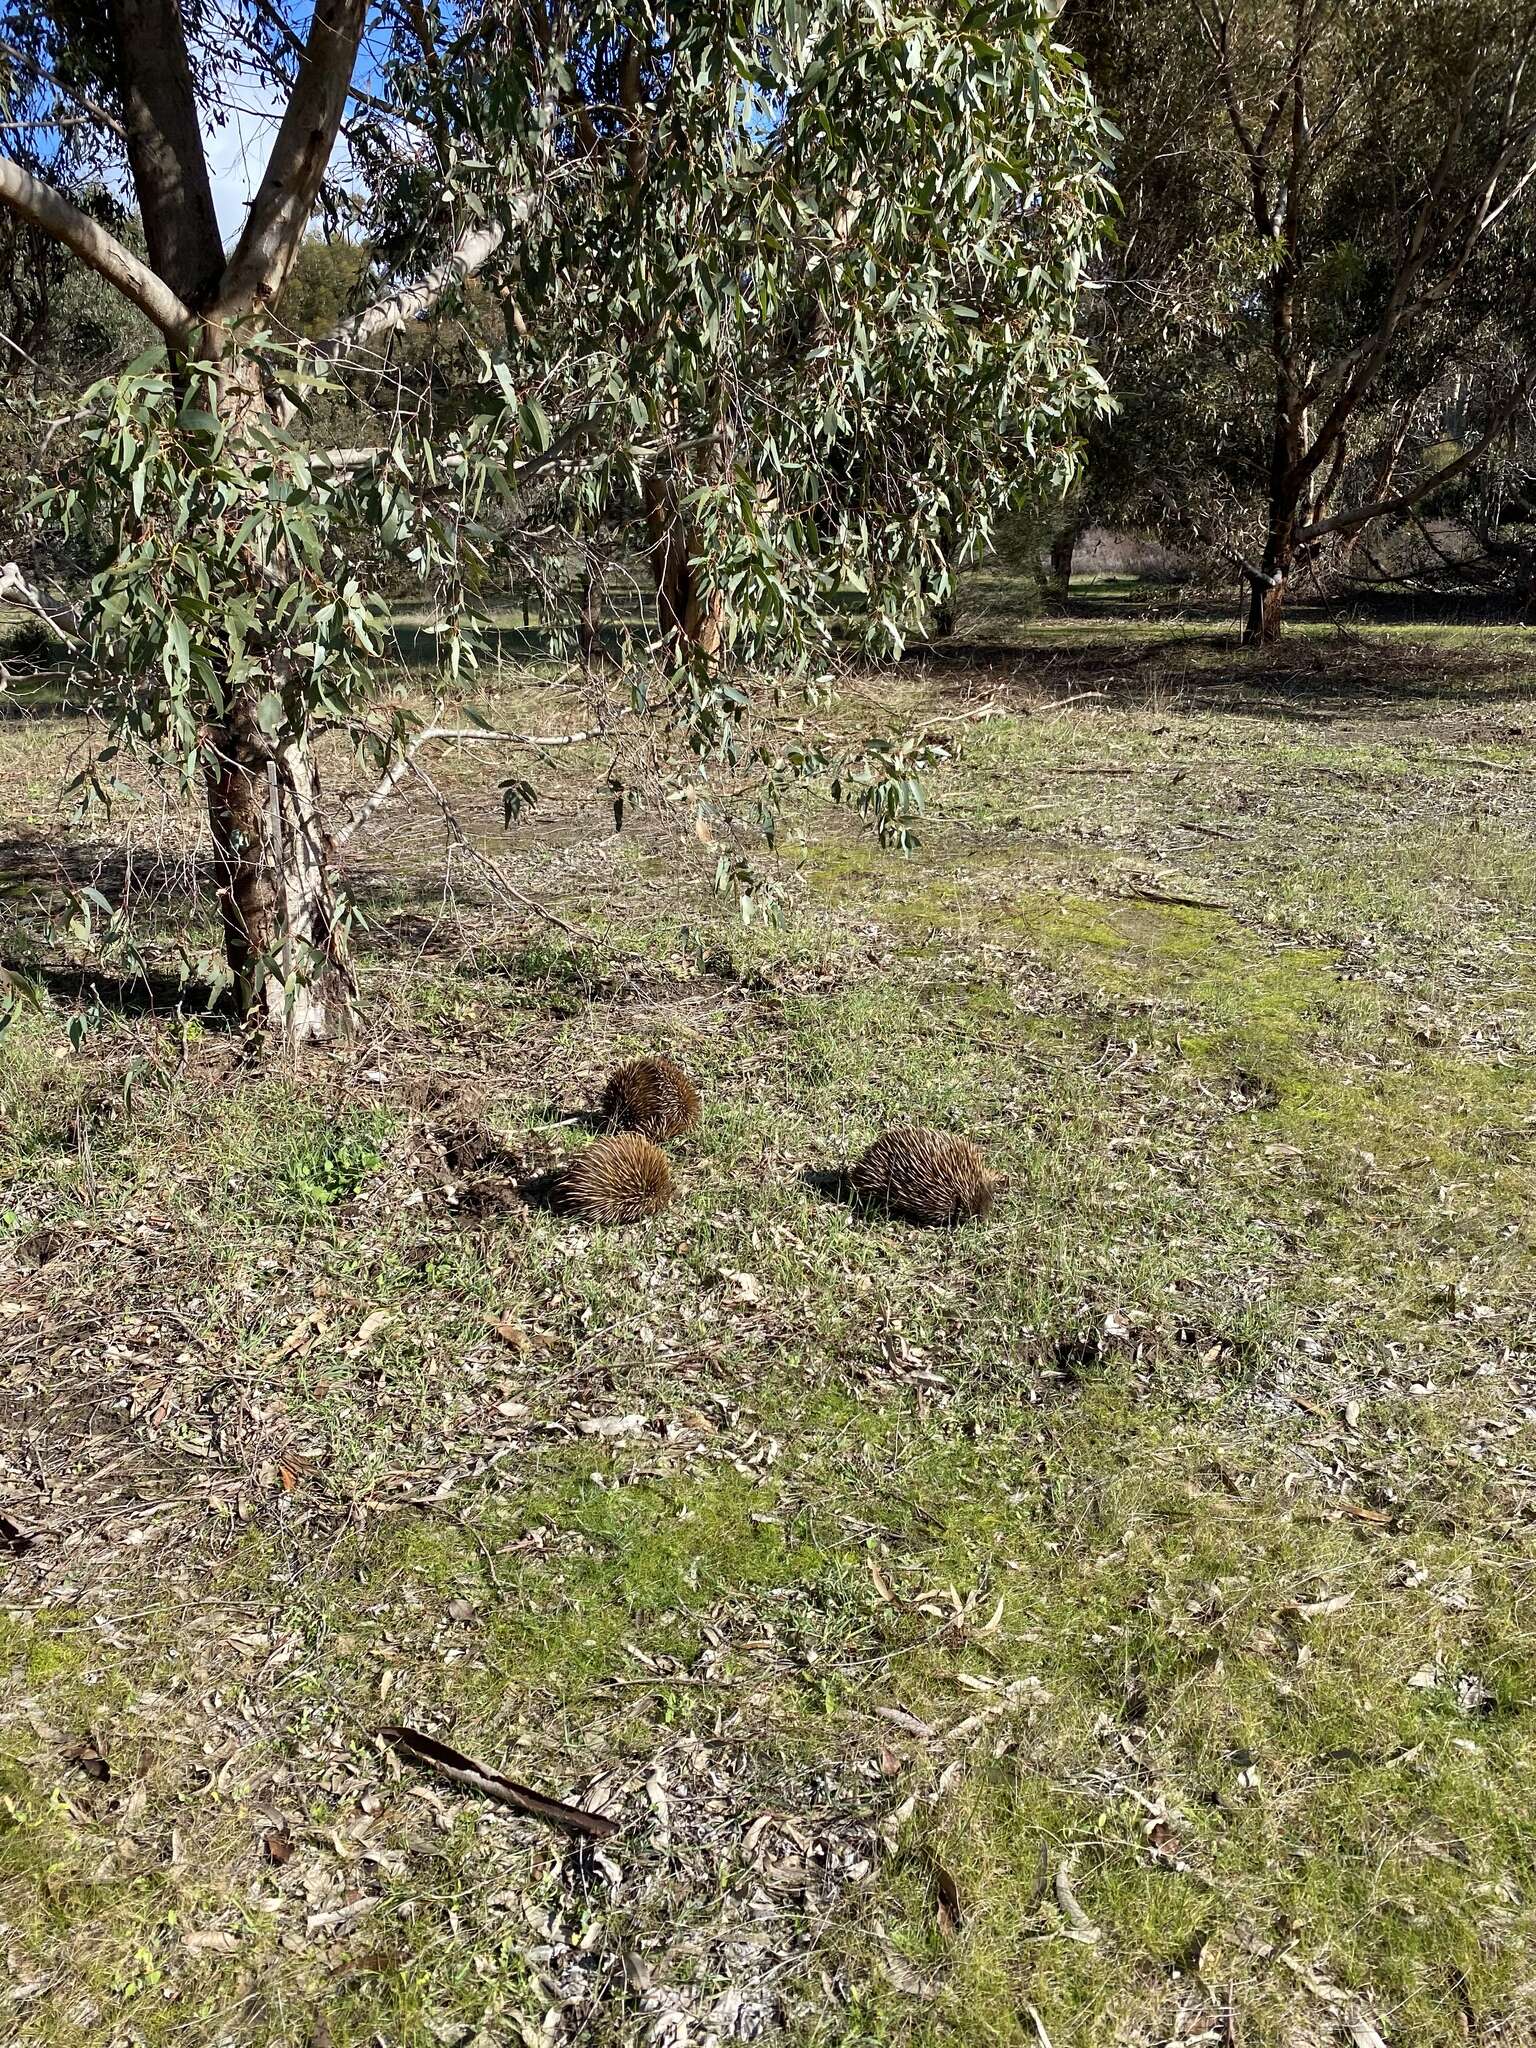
237	152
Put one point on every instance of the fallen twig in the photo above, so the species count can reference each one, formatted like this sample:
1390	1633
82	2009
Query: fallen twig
1168	896
1079	1926
477	1777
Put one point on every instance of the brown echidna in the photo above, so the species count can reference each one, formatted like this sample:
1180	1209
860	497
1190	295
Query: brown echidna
652	1096
620	1179
926	1176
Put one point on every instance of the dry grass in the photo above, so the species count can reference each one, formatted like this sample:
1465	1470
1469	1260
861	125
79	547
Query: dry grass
1109	1624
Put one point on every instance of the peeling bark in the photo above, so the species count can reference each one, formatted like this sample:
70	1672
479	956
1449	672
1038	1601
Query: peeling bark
272	870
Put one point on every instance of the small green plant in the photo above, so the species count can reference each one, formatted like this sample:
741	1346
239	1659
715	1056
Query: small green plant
331	1170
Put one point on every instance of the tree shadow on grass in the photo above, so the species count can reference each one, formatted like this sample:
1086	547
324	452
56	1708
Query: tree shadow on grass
1301	678
144	992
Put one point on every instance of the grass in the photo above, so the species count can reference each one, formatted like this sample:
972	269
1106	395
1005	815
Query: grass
1108	1625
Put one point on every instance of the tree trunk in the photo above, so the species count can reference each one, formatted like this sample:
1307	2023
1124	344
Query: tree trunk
1063	548
272	859
1266	604
1266	592
692	623
273	856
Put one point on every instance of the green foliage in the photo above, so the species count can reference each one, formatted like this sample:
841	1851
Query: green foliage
788	296
329	1170
1382	232
221	573
803	290
322	285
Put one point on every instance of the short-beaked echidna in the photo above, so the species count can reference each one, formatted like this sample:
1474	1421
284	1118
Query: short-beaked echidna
652	1096
619	1179
926	1176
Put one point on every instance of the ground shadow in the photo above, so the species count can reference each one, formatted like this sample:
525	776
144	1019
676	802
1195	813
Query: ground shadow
1300	678
146	992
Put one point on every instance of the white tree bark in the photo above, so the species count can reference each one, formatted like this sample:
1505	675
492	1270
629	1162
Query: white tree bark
42	206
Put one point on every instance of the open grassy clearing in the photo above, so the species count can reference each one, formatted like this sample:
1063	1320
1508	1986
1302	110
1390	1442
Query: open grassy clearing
1111	1625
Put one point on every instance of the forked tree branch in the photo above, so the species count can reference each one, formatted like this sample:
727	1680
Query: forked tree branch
15	589
43	206
301	150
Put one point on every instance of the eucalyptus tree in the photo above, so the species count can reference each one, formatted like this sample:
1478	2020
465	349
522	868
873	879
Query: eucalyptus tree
792	283
807	302
1319	197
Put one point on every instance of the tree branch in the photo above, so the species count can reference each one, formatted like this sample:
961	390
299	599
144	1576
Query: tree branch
165	146
301	150
44	207
15	589
406	763
92	109
294	43
398	308
1362	515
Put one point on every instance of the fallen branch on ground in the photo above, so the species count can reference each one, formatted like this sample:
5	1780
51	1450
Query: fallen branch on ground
478	1777
1168	896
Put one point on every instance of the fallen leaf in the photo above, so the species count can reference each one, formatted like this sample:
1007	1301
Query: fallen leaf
12	1542
611	1425
370	1328
1363	2034
211	1941
1079	1926
278	1845
87	1757
900	1718
946	1902
300	1339
901	1973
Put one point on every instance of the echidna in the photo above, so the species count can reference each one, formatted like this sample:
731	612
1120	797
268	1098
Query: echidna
652	1096
927	1176
619	1179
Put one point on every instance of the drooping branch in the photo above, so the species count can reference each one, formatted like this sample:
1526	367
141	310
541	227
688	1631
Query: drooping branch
301	149
406	763
42	206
